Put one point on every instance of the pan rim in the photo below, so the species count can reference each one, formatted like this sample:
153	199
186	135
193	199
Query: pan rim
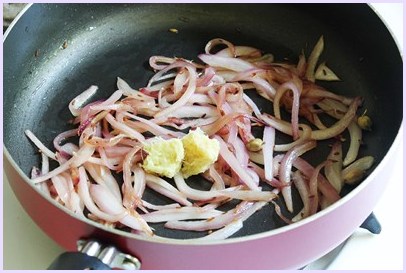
257	236
16	19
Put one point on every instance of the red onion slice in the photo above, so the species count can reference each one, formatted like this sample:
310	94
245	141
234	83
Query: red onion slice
183	213
313	58
313	189
235	165
295	87
232	64
223	233
334	166
78	101
303	189
355	143
354	172
40	145
107	203
185	97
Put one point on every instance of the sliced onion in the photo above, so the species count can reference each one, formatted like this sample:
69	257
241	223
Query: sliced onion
83	191
304	137
163	187
264	87
40	145
356	171
334	166
159	207
249	195
102	176
295	87
303	189
78	101
313	58
154	60
183	213
125	129
333	108
107	203
131	199
252	104
241	212
192	193
313	188
154	128
164	75
216	126
223	233
325	74
185	97
235	165
229	52
355	143
286	168
340	125
232	64
324	186
195	111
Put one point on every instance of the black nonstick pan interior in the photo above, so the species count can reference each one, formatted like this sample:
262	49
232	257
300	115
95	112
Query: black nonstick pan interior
103	41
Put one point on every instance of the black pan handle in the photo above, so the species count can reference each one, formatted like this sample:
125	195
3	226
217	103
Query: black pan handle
77	261
92	255
372	224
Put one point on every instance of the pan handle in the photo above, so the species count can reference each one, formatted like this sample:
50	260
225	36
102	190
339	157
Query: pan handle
95	256
372	224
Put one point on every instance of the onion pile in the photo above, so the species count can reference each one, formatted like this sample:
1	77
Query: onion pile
211	95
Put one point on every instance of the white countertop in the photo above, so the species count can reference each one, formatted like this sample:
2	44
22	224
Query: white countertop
27	247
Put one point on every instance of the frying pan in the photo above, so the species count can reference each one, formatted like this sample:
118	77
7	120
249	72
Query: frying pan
110	40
